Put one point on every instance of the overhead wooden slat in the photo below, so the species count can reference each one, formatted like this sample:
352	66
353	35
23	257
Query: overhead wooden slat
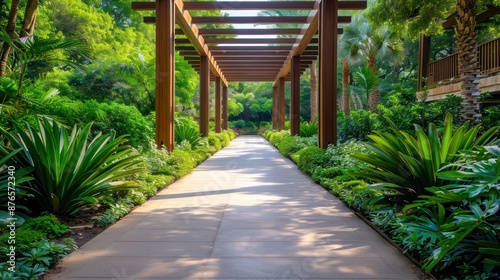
254	31
250	5
250	20
183	20
246	41
254	5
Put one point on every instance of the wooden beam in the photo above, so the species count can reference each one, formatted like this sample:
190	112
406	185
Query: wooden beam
250	5
308	32
165	72
277	58
274	114
204	95
256	5
328	73
295	97
253	31
250	20
218	105
281	103
225	111
184	21
249	41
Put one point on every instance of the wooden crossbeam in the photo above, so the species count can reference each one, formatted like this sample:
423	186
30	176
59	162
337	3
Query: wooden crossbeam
252	5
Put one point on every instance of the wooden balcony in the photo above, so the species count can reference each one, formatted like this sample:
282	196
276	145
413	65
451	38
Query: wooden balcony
443	77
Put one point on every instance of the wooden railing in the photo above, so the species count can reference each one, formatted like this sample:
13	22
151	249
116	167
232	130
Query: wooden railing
446	69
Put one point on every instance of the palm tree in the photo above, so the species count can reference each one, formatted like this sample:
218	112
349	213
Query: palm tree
468	68
364	41
10	30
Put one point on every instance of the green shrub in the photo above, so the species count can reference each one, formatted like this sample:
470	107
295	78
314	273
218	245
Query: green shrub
310	158
224	139
48	224
71	171
123	119
151	183
156	159
287	146
25	238
214	141
353	193
491	117
357	126
275	137
292	144
181	163
265	125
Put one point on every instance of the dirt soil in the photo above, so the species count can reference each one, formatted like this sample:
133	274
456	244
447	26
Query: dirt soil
81	226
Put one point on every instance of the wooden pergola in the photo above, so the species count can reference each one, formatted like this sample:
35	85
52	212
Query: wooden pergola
220	55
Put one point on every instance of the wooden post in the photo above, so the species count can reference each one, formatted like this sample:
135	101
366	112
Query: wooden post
165	71
295	97
424	50
275	108
218	103
225	114
281	103
204	95
328	32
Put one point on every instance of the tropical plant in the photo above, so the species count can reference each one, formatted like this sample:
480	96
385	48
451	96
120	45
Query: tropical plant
405	166
308	129
187	130
472	199
71	170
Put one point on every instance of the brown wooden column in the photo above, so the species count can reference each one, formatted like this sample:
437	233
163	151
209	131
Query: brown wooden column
424	51
295	97
328	73
275	108
281	103
165	71
225	114
204	95
218	104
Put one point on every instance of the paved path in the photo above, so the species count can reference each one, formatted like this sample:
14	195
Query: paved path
245	213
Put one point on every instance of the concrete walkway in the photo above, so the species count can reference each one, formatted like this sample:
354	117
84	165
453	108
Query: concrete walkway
245	213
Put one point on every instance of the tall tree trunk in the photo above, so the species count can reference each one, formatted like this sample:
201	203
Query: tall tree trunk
374	98
11	26
468	67
314	92
29	18
346	75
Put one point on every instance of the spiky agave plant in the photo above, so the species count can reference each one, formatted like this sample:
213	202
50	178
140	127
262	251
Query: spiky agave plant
71	170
